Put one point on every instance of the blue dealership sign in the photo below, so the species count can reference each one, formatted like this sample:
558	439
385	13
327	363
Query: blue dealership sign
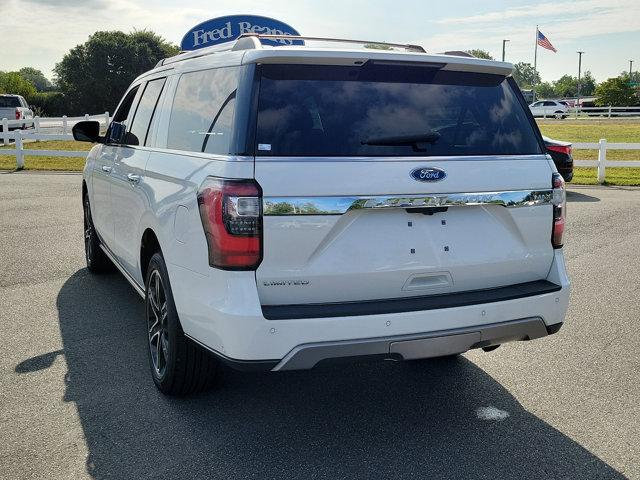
226	29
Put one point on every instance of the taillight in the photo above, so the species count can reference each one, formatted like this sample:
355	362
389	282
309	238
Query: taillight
560	149
231	214
559	202
18	114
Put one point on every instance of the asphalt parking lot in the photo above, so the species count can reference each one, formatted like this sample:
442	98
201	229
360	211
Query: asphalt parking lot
76	399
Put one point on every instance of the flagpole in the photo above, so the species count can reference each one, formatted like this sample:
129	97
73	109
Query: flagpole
535	65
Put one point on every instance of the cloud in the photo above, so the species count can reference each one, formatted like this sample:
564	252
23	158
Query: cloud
538	10
94	4
589	18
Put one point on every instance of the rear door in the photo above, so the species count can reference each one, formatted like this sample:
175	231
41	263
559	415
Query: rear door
391	180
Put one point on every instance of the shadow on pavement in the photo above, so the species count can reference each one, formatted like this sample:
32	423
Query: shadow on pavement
377	420
37	363
573	196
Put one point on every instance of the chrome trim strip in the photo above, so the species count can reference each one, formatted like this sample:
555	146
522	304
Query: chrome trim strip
283	206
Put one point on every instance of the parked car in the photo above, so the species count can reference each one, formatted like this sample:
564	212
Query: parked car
15	107
549	108
562	156
278	207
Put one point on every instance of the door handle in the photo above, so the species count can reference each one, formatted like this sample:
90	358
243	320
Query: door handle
133	178
106	168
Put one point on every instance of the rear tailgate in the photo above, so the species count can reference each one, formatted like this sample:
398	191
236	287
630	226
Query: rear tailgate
351	213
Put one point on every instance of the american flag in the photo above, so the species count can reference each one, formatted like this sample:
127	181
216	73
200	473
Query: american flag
544	42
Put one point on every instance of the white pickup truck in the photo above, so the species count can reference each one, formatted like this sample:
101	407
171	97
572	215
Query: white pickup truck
15	107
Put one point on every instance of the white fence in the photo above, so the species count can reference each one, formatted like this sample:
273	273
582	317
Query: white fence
50	125
602	163
606	112
585	113
19	137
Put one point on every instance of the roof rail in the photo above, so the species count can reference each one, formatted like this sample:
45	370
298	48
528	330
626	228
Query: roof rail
458	53
251	41
187	54
408	47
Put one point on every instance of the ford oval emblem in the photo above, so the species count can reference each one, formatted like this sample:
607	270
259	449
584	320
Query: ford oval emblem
428	174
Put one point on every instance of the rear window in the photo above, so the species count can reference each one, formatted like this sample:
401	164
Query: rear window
388	110
9	102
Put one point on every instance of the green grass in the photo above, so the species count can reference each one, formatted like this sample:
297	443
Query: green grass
8	162
591	131
614	176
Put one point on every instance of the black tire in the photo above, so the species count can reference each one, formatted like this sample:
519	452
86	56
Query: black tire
179	366
97	260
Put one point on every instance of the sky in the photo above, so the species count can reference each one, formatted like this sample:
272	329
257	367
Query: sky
608	31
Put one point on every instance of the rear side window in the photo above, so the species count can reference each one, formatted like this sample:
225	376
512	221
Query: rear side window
388	110
9	102
144	112
203	111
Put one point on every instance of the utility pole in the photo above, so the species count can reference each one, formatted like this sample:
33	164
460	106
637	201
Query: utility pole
630	67
579	71
535	64
504	42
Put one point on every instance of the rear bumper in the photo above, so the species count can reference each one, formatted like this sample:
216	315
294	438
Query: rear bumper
223	313
413	347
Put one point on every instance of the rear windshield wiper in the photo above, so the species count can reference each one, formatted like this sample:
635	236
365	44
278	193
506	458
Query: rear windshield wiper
418	141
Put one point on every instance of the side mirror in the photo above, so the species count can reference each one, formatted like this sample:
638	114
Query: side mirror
87	131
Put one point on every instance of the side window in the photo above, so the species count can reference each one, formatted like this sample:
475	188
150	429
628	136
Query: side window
139	129
117	128
219	135
203	111
549	104
123	112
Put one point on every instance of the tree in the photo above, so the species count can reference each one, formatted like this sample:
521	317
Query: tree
587	84
478	53
48	104
36	77
93	76
616	92
567	85
14	83
525	75
635	76
545	90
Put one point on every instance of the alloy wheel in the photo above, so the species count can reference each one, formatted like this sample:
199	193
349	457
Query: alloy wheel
157	323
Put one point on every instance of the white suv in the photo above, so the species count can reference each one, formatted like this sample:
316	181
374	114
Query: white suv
281	206
550	108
